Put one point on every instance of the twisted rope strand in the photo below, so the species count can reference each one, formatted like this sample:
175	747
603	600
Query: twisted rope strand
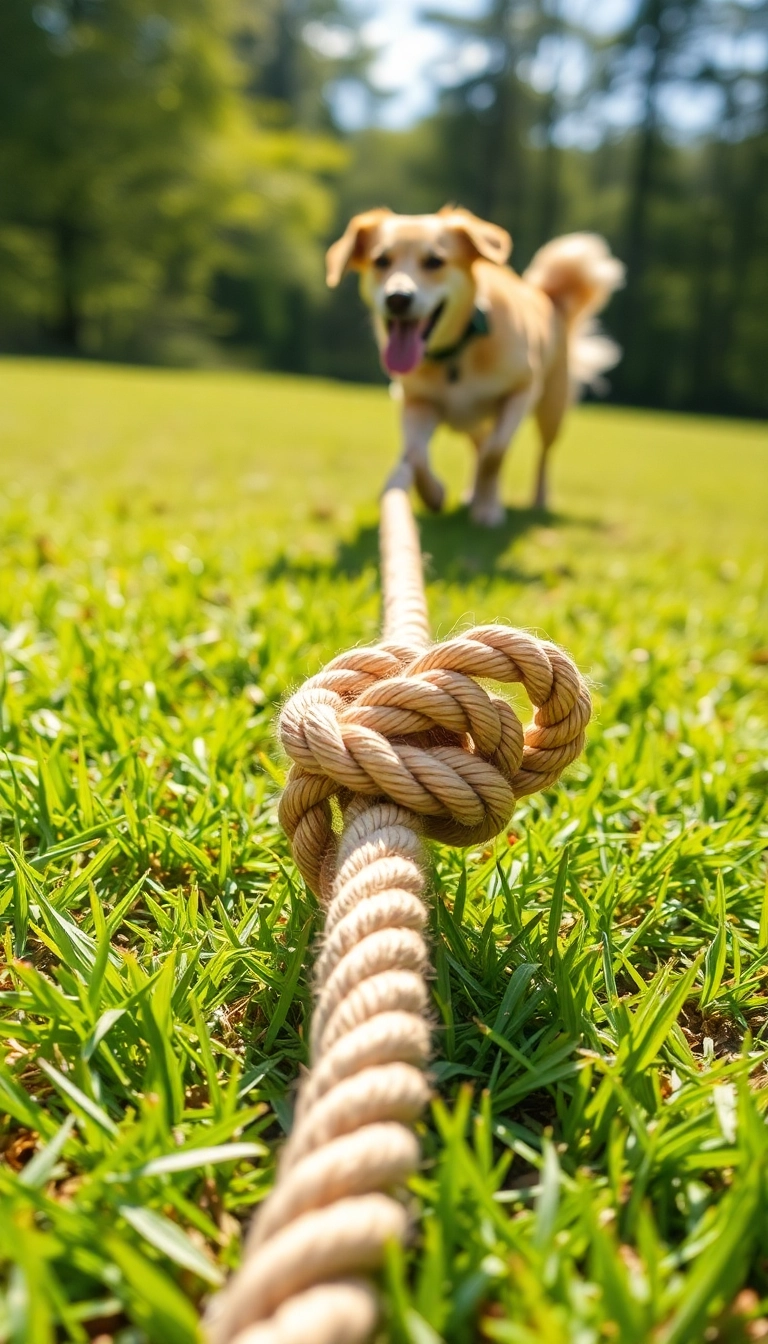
407	742
405	615
352	1139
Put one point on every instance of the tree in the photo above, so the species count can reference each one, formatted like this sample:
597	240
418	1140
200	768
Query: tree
295	52
133	170
487	113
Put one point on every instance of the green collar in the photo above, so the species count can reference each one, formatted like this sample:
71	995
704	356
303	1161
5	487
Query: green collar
478	326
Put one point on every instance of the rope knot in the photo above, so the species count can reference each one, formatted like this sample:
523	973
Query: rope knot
418	729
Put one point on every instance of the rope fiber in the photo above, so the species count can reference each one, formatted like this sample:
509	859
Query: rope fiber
403	742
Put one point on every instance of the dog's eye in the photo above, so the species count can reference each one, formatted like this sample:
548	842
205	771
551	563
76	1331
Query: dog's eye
382	262
433	262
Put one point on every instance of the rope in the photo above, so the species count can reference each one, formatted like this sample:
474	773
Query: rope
404	742
406	619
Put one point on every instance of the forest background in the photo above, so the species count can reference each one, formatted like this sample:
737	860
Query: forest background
172	170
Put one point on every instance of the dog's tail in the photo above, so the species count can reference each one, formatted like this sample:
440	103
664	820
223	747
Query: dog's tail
579	274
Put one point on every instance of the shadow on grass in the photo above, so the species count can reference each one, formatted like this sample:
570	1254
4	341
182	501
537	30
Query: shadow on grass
454	548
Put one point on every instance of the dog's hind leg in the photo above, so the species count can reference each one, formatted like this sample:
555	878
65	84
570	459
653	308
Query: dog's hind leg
420	420
549	416
486	507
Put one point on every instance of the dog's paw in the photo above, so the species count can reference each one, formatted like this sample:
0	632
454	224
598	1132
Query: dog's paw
487	513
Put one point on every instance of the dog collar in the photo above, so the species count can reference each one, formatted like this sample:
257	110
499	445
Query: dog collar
478	326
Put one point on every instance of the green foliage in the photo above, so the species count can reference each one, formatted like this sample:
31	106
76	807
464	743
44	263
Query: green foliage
133	171
177	552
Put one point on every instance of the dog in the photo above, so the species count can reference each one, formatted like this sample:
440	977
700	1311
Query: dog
470	343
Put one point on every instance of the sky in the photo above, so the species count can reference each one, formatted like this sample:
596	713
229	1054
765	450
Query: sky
414	59
410	54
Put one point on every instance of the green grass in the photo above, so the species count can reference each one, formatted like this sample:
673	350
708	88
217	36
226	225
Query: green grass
178	551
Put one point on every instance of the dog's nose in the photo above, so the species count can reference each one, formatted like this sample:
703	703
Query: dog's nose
398	302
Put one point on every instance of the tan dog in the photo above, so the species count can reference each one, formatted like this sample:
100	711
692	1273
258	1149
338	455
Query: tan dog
471	343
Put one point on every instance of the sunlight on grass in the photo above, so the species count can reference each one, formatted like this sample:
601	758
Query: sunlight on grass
179	550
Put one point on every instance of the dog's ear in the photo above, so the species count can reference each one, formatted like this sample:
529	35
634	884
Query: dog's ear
348	252
486	239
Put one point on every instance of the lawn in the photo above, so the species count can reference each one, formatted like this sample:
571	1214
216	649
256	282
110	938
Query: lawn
178	551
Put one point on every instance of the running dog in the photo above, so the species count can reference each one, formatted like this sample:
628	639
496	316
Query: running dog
474	345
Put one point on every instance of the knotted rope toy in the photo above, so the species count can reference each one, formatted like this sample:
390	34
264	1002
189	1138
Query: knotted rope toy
407	744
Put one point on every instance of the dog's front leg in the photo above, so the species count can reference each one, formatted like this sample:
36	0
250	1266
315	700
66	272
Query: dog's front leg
485	506
420	420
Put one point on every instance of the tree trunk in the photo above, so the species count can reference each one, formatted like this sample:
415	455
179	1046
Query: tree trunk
634	308
549	201
503	160
549	193
67	328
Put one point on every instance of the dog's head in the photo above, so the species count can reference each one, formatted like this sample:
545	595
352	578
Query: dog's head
416	275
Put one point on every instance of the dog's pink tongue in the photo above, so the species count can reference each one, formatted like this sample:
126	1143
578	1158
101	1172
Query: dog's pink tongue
405	347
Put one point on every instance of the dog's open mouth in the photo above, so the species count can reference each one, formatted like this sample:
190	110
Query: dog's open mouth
407	341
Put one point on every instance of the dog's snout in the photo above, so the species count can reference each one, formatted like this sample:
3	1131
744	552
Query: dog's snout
398	302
